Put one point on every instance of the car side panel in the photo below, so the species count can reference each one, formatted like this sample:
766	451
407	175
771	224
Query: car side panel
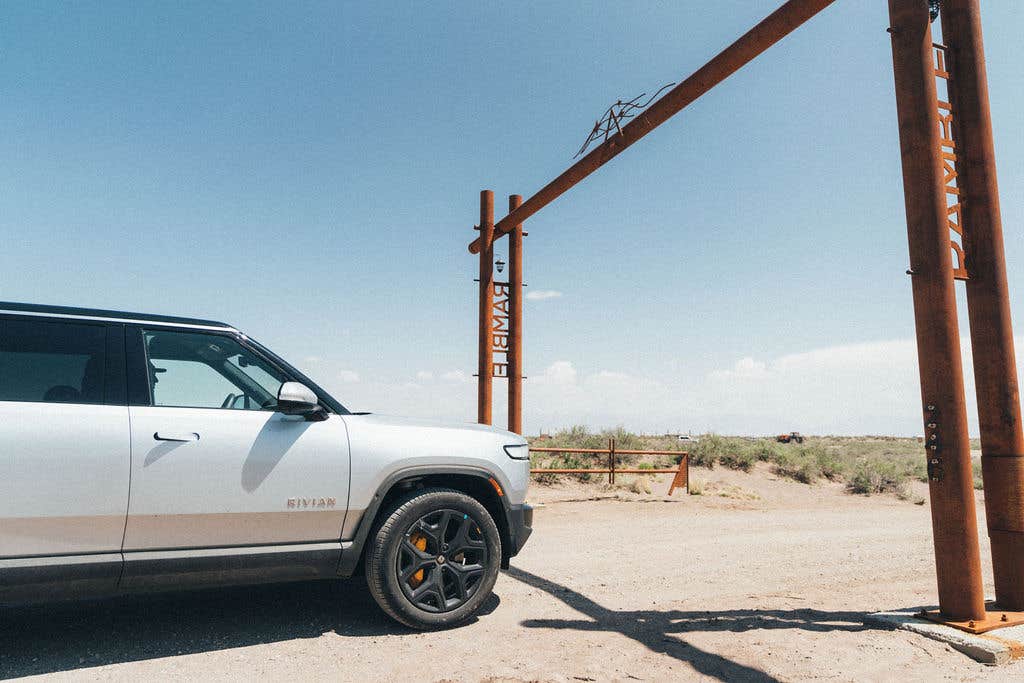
252	478
64	470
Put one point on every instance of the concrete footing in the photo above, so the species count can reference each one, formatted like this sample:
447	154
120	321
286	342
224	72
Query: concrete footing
998	647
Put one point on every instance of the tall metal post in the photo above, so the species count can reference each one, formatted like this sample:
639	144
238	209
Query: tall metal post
954	525
515	300
485	357
988	301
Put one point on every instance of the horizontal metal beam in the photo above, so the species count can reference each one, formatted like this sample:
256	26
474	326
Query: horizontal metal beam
601	451
615	471
776	26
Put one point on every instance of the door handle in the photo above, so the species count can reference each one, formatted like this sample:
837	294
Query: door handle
176	436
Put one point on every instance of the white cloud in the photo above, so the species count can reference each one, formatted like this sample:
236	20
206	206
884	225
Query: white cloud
543	294
863	388
744	368
560	373
611	375
457	376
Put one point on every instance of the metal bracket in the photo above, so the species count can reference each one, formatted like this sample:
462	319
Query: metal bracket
931	442
995	618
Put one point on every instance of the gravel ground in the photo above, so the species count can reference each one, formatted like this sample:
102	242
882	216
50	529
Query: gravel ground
757	579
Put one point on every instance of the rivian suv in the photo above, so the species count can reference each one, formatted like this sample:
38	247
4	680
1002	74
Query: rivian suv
146	452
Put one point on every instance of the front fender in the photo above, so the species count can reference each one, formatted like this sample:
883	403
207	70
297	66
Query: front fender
510	524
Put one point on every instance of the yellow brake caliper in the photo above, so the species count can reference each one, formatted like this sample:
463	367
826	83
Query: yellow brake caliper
420	541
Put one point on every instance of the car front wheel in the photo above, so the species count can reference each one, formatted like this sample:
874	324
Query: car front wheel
434	559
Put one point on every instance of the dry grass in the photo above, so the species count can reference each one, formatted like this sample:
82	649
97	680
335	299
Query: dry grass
866	465
581	437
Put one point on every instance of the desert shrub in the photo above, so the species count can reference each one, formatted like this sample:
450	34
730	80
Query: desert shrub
581	437
572	461
976	468
868	465
545	478
567	461
705	453
730	452
878	476
623	439
862	481
766	450
738	459
666	461
577	436
543	461
639	485
830	465
808	463
797	467
914	468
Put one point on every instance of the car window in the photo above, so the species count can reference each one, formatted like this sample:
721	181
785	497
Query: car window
52	362
197	370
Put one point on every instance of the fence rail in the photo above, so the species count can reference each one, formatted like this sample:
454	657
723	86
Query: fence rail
681	480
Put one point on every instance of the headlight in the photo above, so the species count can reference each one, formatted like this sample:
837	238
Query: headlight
518	451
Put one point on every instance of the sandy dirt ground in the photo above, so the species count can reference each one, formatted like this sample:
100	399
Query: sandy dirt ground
756	580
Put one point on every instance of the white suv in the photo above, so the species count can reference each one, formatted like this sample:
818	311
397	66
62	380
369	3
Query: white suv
142	452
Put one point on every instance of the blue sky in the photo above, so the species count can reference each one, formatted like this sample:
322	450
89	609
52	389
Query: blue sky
310	173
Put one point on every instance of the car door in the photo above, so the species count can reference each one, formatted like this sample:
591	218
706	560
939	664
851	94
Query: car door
64	450
214	465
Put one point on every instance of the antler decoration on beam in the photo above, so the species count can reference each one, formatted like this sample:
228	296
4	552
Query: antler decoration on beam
608	125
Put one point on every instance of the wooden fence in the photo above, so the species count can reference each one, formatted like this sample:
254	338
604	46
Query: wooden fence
681	480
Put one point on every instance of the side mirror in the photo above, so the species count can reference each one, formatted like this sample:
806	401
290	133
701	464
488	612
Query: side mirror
295	398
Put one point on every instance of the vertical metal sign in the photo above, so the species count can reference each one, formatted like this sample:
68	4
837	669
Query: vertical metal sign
988	302
948	153
500	324
951	480
500	329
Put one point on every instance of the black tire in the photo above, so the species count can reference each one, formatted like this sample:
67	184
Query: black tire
420	586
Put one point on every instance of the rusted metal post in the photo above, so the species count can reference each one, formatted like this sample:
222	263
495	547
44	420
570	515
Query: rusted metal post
988	300
611	463
485	357
515	304
747	47
954	526
682	475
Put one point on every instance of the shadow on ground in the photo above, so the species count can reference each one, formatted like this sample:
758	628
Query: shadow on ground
69	636
64	637
659	630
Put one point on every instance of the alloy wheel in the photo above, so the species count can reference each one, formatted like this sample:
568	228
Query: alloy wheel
442	560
